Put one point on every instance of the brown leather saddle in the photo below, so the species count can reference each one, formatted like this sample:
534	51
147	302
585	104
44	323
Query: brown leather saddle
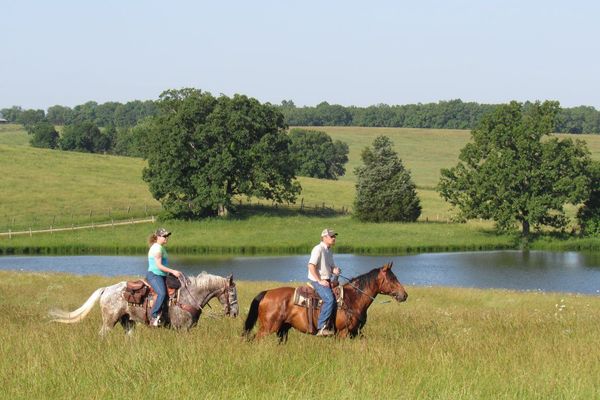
139	293
307	297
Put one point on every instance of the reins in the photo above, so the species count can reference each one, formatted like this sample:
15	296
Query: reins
363	292
200	305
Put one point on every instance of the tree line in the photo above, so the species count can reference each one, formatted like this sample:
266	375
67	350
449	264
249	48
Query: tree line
102	115
204	151
452	114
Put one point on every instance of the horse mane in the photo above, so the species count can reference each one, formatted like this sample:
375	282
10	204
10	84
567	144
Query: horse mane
206	281
362	281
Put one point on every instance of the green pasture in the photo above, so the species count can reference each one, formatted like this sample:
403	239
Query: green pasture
13	134
45	188
265	234
443	343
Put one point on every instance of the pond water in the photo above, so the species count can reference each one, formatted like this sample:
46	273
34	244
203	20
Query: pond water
576	272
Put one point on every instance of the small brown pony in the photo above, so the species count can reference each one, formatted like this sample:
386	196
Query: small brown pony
277	312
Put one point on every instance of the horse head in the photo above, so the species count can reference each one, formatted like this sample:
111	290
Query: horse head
228	298
208	286
389	284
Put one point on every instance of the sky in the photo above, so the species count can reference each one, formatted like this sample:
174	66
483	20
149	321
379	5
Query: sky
344	52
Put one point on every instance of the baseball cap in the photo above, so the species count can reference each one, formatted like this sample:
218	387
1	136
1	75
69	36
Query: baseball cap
162	232
328	232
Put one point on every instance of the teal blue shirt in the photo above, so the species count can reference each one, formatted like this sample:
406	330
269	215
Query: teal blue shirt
152	267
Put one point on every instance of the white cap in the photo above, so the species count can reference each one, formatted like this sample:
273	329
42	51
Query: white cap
328	232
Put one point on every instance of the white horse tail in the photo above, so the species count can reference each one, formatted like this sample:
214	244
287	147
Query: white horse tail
79	314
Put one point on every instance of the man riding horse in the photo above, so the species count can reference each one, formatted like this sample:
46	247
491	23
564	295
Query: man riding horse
323	275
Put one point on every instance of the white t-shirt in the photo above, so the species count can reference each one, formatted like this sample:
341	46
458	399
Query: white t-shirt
322	257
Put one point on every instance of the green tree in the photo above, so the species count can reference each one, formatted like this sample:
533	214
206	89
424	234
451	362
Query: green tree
512	174
85	137
589	214
202	151
384	189
316	155
130	141
59	115
12	114
43	135
29	118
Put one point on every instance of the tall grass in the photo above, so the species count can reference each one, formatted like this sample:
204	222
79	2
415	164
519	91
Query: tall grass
442	343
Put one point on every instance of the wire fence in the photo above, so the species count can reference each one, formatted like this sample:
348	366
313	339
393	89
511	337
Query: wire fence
116	216
90	218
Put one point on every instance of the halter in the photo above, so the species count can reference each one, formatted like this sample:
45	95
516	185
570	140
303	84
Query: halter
362	292
195	309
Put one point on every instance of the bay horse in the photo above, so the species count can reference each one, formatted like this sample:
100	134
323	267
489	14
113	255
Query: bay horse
194	294
276	311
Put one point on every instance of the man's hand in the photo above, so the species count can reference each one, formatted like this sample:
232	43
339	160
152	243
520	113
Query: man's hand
336	270
325	283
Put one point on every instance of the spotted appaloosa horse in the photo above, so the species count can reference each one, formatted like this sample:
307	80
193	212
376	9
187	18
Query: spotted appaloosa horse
193	296
276	311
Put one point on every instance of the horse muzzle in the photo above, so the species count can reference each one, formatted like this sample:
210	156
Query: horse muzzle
400	296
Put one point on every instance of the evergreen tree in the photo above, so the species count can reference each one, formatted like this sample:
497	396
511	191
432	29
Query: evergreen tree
385	191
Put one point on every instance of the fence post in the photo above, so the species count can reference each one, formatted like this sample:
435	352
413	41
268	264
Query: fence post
302	204
9	234
30	233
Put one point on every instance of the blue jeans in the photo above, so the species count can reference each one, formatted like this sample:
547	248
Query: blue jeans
158	284
328	305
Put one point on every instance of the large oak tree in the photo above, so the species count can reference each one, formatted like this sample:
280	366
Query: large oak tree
202	151
514	172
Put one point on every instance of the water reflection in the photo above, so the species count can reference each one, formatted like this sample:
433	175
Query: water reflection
534	270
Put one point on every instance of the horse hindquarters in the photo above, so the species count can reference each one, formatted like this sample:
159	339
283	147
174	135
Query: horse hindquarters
277	313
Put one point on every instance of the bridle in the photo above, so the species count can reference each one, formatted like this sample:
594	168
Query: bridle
196	308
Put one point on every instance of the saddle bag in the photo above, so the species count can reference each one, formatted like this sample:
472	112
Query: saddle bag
136	291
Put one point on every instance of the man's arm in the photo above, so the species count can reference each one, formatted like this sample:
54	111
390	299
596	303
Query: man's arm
312	269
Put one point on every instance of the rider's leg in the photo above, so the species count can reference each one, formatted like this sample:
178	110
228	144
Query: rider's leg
328	304
158	284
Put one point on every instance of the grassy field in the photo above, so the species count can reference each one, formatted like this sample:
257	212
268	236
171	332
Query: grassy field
13	134
443	343
42	188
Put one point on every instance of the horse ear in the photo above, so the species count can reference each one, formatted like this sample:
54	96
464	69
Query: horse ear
391	264
386	267
230	278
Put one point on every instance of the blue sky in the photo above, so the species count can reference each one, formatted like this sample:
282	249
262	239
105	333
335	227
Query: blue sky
343	52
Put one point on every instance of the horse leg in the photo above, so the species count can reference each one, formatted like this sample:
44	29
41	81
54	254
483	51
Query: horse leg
127	324
282	333
108	322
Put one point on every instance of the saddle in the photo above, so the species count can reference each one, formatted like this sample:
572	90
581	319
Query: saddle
140	293
307	297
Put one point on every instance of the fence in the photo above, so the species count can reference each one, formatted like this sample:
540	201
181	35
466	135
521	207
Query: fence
91	218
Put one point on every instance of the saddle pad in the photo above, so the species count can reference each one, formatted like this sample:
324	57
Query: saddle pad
306	296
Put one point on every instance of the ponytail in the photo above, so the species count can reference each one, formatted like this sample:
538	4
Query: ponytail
152	239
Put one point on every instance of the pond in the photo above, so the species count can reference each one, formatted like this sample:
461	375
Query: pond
575	272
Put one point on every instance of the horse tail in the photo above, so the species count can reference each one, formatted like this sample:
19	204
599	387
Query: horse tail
253	313
79	314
